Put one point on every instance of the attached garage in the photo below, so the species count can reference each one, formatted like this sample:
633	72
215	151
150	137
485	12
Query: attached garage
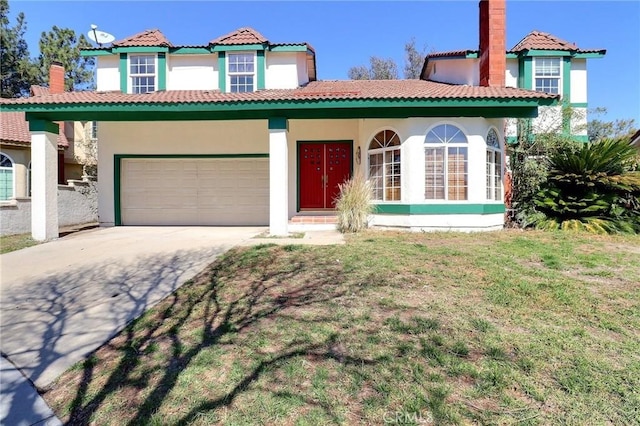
193	191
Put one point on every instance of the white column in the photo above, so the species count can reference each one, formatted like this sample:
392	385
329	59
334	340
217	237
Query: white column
44	185
278	178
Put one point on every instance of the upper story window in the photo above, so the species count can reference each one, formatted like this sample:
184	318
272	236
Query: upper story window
384	166
494	166
142	73
547	74
242	72
93	130
446	170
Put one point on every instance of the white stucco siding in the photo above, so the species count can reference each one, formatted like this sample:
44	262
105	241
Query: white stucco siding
456	71
281	70
549	120
192	72
511	73
172	138
303	72
578	80
108	73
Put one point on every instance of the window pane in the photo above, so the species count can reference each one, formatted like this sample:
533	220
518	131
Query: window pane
434	173
457	173
376	175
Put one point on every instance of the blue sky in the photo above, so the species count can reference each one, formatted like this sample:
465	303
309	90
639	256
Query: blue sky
347	33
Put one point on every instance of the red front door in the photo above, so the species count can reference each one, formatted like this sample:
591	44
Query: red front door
323	165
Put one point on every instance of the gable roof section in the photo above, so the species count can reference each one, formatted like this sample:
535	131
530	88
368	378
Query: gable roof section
147	38
240	36
535	40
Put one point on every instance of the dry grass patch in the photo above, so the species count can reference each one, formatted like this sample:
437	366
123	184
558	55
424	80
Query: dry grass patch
454	328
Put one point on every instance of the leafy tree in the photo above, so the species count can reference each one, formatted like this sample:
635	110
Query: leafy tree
379	69
16	69
601	129
62	45
413	60
387	69
595	188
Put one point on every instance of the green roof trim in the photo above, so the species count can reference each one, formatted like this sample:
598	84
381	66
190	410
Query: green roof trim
292	109
96	52
237	47
44	126
139	49
289	48
444	209
189	50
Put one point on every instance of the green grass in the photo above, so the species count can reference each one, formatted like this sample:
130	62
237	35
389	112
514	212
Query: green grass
497	328
11	243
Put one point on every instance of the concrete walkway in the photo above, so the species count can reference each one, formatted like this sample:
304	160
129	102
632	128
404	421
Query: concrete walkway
61	300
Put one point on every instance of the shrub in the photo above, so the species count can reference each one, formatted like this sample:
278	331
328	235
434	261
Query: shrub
354	205
596	188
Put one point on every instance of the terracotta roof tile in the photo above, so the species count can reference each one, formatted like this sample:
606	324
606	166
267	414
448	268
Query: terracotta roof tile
15	129
537	40
240	36
153	38
38	90
295	44
314	91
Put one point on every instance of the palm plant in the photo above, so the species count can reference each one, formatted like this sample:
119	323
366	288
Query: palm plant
595	188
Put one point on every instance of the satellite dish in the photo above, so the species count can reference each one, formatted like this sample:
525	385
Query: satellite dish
99	37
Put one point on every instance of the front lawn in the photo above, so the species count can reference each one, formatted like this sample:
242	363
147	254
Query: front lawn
501	328
10	243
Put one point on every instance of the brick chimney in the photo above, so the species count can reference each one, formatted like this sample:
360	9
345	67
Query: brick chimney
56	78
493	59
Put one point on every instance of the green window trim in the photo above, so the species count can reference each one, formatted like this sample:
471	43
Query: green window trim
222	72
566	93
162	71
117	169
439	209
124	73
260	69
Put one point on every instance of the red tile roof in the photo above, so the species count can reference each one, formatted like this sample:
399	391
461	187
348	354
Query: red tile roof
537	40
39	90
14	129
314	91
241	36
153	38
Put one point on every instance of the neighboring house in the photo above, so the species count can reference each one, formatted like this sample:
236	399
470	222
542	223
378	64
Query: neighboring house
541	62
239	131
15	150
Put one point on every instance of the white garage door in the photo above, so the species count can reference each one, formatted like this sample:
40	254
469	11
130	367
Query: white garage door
207	191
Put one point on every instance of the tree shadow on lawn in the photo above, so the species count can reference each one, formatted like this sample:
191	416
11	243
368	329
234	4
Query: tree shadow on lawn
49	323
217	313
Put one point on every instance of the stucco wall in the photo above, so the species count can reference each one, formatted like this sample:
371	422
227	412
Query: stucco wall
511	73
456	71
77	204
107	73
282	70
578	80
192	72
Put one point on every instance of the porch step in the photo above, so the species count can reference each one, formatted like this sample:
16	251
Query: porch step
325	219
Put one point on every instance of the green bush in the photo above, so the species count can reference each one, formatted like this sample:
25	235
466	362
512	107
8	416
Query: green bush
354	205
596	188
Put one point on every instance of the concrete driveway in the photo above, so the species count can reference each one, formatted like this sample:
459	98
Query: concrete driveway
63	299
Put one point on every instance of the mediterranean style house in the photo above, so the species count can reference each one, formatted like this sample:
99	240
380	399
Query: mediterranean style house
541	62
240	131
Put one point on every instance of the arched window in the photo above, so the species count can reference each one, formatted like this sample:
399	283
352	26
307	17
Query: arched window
446	164
6	177
494	166
384	166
